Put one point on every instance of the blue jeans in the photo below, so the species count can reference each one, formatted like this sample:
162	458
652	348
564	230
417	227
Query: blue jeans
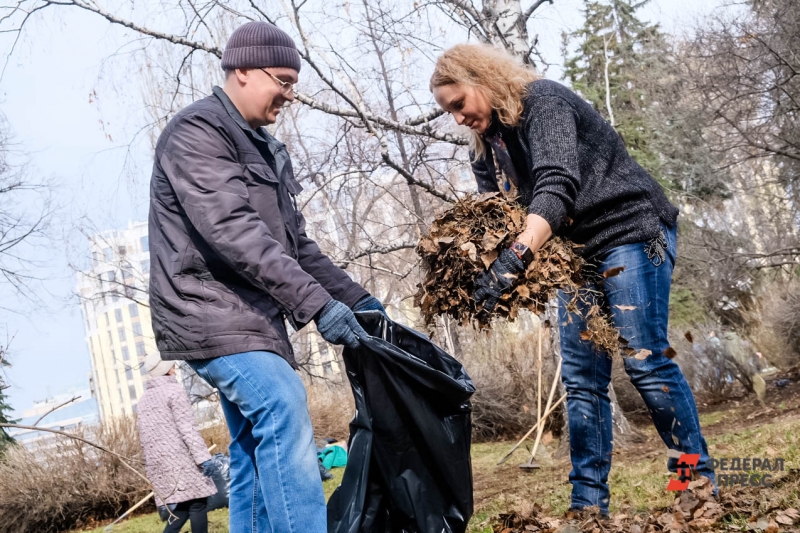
638	300
275	482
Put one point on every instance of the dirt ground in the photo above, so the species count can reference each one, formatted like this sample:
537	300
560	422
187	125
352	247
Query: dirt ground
511	500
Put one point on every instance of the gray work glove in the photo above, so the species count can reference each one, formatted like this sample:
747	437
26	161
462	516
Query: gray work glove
338	325
498	278
369	303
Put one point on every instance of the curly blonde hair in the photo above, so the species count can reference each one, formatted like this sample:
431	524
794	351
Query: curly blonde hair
501	77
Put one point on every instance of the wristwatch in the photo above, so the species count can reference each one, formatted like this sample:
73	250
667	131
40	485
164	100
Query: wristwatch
523	252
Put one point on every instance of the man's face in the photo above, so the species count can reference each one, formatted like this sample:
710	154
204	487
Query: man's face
266	94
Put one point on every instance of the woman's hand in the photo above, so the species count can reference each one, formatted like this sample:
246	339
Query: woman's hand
498	278
537	231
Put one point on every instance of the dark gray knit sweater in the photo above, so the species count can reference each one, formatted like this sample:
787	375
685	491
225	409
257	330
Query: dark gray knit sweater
574	171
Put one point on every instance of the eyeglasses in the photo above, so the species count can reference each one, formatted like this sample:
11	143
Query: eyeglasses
286	87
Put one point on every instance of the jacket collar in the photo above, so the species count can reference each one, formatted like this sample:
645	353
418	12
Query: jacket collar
261	134
160	381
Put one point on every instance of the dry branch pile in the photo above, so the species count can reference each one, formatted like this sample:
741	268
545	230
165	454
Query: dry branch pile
466	239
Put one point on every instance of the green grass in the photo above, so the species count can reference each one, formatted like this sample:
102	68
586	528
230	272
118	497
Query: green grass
638	479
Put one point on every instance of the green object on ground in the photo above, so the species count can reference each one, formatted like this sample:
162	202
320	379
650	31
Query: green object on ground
333	457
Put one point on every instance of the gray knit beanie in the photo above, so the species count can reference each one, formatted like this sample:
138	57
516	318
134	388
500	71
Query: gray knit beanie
260	44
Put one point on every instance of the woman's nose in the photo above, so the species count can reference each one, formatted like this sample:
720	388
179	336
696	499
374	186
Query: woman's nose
459	118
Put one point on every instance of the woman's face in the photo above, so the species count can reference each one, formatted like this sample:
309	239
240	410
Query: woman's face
468	105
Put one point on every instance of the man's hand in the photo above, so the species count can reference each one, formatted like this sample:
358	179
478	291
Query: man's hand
369	303
498	278
338	325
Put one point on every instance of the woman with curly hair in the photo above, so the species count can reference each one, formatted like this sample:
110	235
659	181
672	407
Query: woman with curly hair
537	141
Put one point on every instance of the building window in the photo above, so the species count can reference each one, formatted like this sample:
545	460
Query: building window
121	333
110	338
125	355
137	329
118	314
121	250
145	243
129	374
145	266
127	274
140	351
142	369
108	254
108	322
133	310
111	276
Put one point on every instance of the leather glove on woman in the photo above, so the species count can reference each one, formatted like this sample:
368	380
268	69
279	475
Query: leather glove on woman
498	278
338	325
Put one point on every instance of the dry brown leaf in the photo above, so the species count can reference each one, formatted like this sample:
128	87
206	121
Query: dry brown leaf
489	257
670	352
689	337
472	252
615	271
586	335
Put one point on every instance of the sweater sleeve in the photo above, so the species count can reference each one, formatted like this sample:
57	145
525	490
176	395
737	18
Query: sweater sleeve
551	130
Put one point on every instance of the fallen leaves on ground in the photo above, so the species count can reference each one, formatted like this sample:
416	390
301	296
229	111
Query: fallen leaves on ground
465	240
693	510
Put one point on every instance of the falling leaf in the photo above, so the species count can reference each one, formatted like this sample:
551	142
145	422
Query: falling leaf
689	337
488	258
670	352
611	272
625	307
643	354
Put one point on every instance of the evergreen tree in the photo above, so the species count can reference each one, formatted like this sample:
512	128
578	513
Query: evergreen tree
613	48
5	409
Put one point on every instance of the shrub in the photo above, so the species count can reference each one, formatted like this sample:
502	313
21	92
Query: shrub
66	484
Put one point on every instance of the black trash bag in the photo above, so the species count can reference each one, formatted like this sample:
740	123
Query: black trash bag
409	468
221	476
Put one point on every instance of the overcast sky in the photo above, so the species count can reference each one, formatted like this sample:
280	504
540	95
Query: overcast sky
78	141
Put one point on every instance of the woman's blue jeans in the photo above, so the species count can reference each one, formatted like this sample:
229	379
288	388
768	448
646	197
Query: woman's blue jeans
275	481
638	300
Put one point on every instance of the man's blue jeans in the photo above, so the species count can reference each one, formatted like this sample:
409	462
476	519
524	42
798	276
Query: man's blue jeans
275	481
638	300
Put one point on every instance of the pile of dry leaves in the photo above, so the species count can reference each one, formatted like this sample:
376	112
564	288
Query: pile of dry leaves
695	509
466	239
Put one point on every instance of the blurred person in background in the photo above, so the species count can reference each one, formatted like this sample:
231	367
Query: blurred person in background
177	461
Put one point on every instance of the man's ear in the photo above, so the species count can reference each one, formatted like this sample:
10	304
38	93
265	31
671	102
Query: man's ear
242	75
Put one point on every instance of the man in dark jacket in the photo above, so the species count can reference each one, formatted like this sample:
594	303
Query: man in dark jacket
230	262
